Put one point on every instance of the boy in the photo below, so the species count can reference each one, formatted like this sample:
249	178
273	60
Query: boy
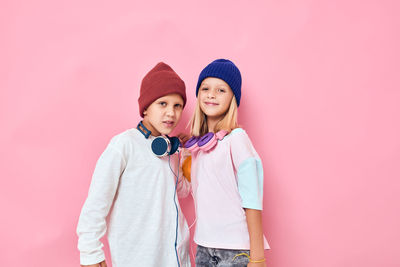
136	189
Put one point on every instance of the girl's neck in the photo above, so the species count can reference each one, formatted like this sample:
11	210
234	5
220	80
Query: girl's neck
211	123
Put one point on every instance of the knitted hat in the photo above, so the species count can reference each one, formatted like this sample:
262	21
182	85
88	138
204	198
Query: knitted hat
160	81
223	69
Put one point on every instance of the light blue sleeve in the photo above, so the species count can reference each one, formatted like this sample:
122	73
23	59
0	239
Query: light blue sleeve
250	183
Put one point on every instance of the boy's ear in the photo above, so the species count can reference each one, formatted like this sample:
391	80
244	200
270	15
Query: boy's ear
145	112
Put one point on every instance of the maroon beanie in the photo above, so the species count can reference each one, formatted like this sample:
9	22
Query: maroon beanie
160	81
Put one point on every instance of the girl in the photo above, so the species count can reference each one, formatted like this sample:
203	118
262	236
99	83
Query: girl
227	174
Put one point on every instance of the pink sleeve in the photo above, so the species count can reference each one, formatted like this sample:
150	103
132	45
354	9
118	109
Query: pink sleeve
241	147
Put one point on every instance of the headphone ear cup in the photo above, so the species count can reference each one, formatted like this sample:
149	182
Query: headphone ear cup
159	146
174	144
207	141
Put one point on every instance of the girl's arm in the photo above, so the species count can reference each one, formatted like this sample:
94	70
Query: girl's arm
254	225
100	264
250	178
184	185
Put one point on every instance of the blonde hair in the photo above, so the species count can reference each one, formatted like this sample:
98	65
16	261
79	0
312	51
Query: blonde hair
198	122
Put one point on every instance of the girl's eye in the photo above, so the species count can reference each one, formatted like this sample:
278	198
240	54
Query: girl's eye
204	89
221	90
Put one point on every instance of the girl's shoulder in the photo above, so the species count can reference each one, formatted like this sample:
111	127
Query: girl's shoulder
237	133
240	145
238	137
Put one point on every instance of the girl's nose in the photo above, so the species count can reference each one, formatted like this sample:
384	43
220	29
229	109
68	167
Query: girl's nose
210	94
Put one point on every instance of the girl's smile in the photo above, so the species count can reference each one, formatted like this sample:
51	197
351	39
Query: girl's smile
211	103
215	97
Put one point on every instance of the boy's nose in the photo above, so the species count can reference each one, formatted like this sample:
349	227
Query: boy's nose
170	112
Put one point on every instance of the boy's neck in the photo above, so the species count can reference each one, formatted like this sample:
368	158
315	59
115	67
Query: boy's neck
151	130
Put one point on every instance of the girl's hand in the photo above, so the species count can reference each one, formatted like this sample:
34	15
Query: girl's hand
258	264
100	264
183	138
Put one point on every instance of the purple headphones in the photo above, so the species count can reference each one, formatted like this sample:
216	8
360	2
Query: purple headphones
206	142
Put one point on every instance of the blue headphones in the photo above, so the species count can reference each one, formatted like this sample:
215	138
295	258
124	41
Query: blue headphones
161	145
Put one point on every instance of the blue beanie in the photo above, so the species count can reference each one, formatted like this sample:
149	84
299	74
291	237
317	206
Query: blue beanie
223	69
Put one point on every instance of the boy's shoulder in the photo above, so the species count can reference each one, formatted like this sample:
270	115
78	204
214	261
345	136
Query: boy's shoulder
128	136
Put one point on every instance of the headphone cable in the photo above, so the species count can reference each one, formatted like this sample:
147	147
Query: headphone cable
176	206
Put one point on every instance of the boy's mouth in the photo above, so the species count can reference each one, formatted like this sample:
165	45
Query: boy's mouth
168	124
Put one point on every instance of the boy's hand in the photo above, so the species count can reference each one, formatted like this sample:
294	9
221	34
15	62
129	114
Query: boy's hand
100	264
183	138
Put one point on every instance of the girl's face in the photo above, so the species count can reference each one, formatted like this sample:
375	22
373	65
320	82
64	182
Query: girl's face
162	116
215	97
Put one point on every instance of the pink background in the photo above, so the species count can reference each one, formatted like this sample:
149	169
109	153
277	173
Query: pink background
320	101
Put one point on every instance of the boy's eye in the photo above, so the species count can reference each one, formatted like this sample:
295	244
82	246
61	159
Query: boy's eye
163	104
178	106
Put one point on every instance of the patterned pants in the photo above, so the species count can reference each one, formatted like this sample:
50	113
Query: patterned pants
209	257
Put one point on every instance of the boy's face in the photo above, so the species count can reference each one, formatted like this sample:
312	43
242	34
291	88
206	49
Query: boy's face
162	116
215	97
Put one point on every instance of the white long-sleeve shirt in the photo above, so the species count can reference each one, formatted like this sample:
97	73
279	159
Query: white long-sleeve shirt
135	189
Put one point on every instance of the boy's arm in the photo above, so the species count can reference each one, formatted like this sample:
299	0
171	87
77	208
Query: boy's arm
92	221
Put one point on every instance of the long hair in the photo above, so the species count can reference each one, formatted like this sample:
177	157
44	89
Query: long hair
198	122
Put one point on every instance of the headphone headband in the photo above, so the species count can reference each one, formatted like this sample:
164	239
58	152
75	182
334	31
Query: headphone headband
205	142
